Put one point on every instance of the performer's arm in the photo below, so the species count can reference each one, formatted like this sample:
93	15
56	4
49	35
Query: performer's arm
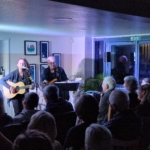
4	79
63	75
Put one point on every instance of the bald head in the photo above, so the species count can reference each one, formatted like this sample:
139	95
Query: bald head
119	99
51	62
123	59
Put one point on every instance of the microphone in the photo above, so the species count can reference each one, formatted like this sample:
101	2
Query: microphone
23	67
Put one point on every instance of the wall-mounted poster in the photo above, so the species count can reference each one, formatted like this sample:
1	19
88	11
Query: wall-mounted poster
44	51
30	47
57	59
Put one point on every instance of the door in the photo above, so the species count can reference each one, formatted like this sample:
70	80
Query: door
121	60
144	60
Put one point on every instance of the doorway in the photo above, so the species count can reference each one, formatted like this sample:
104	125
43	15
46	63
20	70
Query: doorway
136	60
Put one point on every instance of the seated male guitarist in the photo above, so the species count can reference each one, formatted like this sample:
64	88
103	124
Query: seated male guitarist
11	84
53	73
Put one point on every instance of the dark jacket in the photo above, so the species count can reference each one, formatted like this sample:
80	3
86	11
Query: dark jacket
143	110
133	97
58	74
58	106
25	115
119	72
5	120
103	107
124	125
76	136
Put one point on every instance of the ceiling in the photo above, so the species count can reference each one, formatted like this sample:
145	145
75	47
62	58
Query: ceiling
59	19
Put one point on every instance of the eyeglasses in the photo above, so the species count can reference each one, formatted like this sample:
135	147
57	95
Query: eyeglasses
51	63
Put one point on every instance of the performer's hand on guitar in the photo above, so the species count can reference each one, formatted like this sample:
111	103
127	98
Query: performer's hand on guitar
32	86
13	89
45	82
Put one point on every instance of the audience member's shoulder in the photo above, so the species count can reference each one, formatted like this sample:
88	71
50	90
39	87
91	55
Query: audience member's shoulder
7	116
5	120
63	100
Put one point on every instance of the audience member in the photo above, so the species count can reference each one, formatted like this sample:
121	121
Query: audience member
43	121
145	81
54	103
4	118
98	137
131	85
32	140
30	102
86	109
143	109
108	86
125	125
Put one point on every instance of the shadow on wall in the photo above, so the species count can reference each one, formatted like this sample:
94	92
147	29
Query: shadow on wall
85	69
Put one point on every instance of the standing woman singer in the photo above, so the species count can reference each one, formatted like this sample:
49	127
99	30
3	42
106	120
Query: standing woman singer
19	75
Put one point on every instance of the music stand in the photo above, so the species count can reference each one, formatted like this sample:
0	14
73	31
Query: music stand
67	86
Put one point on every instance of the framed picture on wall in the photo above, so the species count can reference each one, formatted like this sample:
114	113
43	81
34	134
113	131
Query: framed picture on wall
42	67
33	72
44	51
30	47
57	59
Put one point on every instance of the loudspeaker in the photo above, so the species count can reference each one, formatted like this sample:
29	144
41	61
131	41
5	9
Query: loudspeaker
108	56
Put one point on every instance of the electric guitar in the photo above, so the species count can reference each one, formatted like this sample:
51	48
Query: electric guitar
21	88
43	84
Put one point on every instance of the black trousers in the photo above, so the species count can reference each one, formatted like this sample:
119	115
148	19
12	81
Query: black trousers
17	104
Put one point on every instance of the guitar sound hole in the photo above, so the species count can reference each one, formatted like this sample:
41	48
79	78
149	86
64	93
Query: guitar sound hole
17	89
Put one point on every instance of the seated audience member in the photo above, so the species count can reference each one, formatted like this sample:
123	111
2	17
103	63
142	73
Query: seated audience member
108	85
5	144
4	118
30	102
32	140
44	122
131	85
145	81
54	103
86	109
98	137
125	125
143	109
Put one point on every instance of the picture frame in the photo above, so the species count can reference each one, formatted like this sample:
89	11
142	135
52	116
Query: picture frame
57	57
42	67
30	47
33	72
44	51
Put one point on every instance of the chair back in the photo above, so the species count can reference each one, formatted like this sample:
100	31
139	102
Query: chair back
64	122
125	145
145	135
11	131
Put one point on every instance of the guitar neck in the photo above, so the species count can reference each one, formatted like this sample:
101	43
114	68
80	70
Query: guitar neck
25	87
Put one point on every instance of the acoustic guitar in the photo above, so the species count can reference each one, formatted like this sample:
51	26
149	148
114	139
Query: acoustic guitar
21	88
